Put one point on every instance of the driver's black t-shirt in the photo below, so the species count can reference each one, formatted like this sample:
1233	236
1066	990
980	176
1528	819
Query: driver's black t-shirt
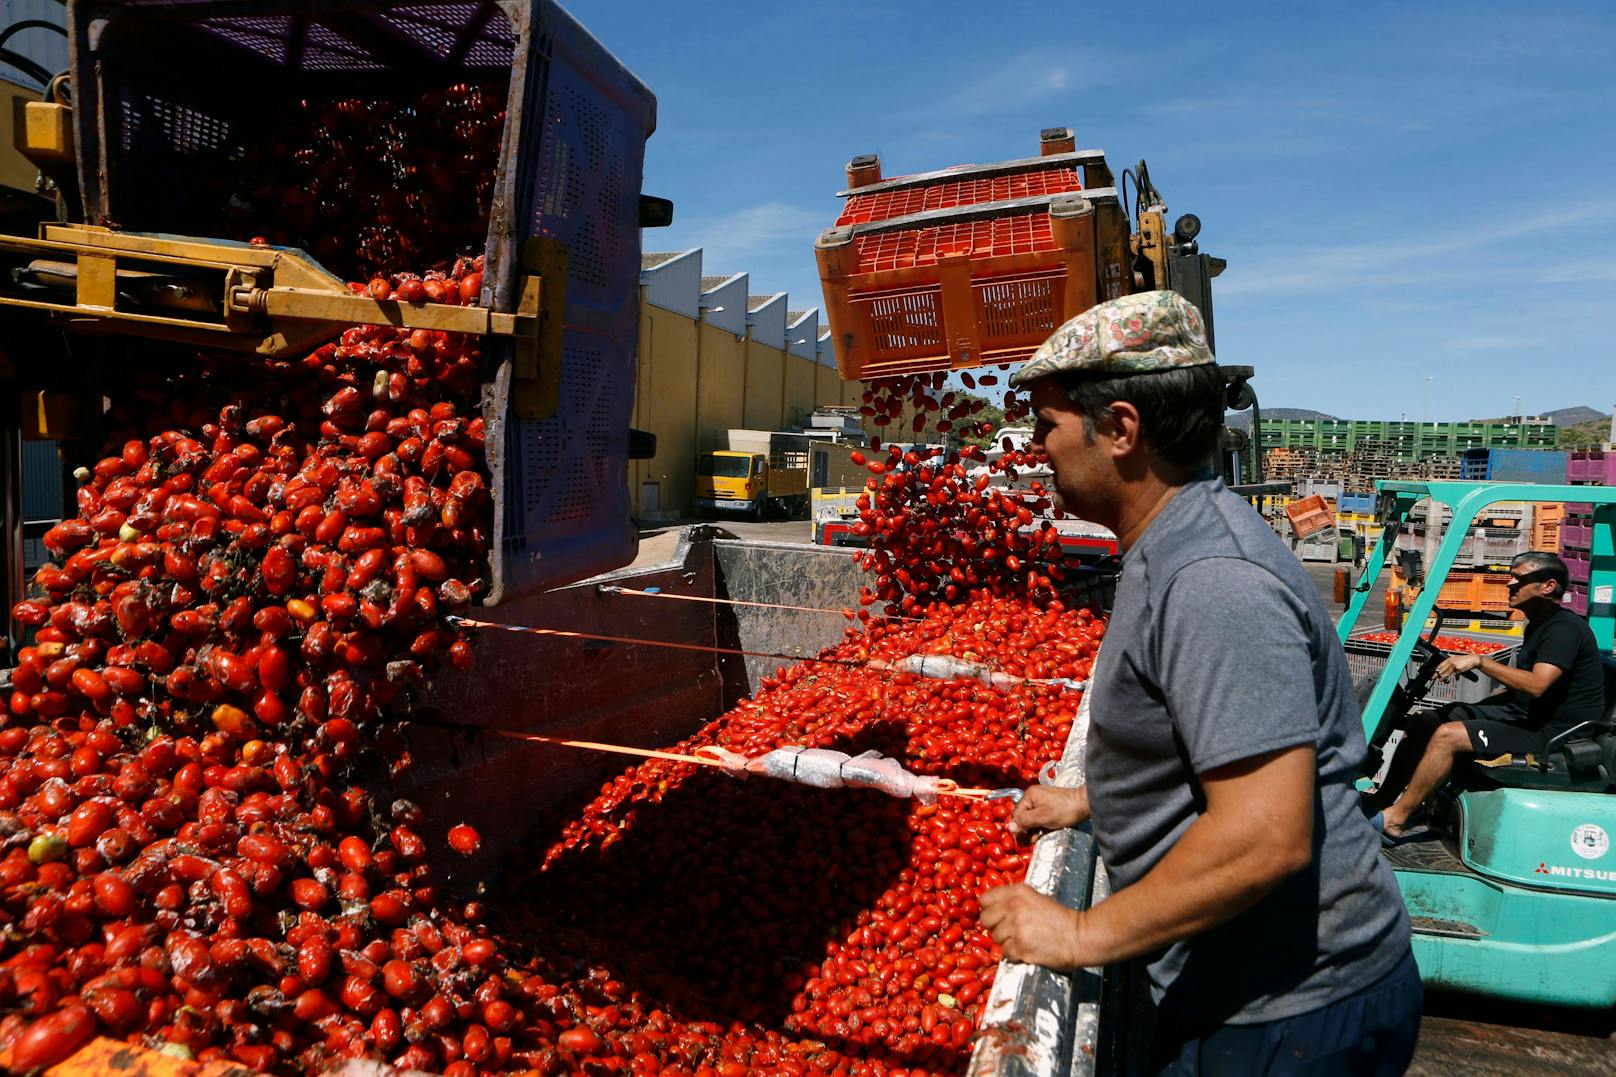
1578	695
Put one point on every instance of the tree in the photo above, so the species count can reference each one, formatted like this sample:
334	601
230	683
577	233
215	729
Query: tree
1588	435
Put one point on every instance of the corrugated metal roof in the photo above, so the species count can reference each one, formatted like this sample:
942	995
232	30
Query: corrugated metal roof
709	283
793	316
757	302
652	260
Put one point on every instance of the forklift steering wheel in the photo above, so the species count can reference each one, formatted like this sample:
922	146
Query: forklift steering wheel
1432	656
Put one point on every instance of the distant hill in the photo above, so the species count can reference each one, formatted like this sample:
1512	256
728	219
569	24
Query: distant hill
1563	416
1578	414
1242	420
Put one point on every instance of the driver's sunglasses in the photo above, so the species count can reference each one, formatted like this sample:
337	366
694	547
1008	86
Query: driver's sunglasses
1531	577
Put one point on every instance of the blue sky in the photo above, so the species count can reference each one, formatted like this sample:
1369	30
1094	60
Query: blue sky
1403	191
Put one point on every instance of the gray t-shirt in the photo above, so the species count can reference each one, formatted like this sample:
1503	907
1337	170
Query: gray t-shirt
1219	649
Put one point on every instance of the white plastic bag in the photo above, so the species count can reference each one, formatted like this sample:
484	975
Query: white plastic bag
733	763
820	768
872	770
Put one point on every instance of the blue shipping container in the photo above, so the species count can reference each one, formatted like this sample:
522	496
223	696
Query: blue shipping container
1514	465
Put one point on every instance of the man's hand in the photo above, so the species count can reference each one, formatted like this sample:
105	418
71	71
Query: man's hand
1049	807
1455	664
1033	928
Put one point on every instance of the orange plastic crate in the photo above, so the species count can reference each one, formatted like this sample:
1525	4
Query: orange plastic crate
1546	537
969	266
1476	592
1310	516
1548	512
883	205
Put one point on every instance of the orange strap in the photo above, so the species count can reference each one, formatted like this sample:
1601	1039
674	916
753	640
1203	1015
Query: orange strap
946	786
613	589
467	621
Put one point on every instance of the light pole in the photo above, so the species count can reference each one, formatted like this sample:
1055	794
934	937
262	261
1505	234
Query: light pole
1425	413
1518	413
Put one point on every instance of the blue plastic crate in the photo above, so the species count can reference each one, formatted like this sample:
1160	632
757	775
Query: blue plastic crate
1355	503
1513	465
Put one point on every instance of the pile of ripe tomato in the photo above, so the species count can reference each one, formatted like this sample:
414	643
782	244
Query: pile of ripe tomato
195	852
1449	644
254	585
782	929
366	185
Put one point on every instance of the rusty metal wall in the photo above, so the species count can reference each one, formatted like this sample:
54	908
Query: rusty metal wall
619	693
584	690
788	573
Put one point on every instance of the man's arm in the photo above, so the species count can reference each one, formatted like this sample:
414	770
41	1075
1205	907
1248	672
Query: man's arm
1244	704
1256	831
1534	682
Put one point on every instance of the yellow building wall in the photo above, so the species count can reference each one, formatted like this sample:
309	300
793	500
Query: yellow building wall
765	387
720	387
665	405
852	394
827	386
799	394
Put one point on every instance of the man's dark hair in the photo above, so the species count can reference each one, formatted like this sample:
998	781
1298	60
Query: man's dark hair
1551	567
1181	409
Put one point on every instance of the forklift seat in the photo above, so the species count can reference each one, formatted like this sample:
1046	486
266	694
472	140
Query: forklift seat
1580	760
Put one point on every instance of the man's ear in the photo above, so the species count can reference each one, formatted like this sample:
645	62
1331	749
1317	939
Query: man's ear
1126	428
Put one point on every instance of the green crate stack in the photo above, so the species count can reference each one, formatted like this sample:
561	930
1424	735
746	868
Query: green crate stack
1407	440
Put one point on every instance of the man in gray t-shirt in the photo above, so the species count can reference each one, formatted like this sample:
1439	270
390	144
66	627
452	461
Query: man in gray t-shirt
1224	738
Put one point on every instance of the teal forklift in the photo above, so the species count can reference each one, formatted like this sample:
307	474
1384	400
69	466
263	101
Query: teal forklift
1513	893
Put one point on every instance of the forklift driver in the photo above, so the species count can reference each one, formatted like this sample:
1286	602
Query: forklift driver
1557	683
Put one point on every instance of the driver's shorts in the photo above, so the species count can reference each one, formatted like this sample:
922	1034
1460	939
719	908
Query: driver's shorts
1498	729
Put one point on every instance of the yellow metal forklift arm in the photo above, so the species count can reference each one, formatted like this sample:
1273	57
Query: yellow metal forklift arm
274	301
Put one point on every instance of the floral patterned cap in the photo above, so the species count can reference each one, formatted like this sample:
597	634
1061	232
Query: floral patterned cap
1134	334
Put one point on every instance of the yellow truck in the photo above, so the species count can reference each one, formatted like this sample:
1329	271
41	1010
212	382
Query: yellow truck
760	471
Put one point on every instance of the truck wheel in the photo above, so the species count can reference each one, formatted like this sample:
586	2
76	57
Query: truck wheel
760	511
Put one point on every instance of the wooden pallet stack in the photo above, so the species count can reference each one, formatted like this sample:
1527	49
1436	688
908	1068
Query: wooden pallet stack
1281	464
1373	459
1359	469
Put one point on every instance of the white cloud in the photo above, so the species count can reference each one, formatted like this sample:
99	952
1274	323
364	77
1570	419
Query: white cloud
767	230
1426	259
1025	79
1578	272
1498	343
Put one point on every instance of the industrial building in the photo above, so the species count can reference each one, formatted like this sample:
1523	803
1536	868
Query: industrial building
714	356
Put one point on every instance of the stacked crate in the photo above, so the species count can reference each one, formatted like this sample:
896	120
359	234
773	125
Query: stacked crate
1547	519
1584	467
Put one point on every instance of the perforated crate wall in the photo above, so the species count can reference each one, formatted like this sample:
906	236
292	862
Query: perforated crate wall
1366	659
570	170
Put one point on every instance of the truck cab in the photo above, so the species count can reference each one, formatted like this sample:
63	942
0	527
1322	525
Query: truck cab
728	481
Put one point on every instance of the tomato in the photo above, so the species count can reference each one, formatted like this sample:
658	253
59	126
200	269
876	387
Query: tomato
579	1040
464	839
51	1039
